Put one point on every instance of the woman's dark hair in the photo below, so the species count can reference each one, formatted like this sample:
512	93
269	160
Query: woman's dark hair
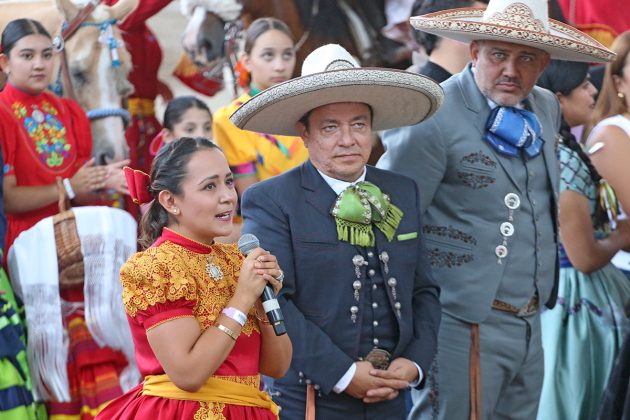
259	27
168	171
178	106
609	102
18	29
563	77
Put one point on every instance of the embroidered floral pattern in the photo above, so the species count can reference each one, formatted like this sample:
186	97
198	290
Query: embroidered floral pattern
449	232
48	135
253	381
475	181
478	158
518	15
170	272
467	21
214	411
210	411
434	389
441	259
609	317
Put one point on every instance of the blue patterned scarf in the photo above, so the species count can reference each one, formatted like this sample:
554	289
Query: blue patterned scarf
510	130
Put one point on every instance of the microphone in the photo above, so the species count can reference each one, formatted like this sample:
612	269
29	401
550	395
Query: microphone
246	244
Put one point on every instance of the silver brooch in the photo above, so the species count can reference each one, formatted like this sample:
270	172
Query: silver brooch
358	261
214	271
384	257
356	285
354	310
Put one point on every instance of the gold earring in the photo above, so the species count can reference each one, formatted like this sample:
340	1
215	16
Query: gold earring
620	95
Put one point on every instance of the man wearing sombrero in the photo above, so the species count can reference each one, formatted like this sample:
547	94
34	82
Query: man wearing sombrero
486	167
360	305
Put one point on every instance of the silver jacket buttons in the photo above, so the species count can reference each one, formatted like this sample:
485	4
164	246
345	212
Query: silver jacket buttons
507	229
512	201
501	251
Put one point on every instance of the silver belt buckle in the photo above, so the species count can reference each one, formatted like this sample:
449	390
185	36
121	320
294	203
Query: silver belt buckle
379	358
529	309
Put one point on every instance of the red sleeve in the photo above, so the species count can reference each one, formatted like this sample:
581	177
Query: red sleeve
9	135
145	10
160	313
81	130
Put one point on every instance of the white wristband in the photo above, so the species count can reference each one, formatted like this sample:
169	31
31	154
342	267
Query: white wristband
68	187
235	314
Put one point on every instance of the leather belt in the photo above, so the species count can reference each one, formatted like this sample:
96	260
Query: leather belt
530	307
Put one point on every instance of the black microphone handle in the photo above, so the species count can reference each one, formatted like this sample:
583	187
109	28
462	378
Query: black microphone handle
272	309
246	244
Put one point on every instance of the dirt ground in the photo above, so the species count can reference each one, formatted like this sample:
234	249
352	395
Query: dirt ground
168	26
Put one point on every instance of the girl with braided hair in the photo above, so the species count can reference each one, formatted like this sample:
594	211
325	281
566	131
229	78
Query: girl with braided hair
583	333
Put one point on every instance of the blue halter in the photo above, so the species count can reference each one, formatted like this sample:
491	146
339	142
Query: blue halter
511	130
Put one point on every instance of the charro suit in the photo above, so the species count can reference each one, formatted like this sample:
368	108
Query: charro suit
290	214
490	220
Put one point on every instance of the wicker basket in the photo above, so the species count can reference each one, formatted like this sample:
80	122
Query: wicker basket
69	256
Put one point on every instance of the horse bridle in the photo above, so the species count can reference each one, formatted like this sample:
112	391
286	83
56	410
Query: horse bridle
233	30
67	30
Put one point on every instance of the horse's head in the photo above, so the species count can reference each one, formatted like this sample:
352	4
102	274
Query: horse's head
203	38
98	65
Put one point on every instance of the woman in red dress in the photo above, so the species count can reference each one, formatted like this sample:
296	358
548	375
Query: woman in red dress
49	152
201	337
54	140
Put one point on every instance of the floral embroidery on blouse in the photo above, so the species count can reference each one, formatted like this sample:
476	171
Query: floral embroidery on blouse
170	272
48	134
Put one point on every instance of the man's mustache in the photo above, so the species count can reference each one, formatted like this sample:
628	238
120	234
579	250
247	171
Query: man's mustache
505	79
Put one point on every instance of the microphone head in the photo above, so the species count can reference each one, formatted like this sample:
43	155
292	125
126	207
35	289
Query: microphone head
247	243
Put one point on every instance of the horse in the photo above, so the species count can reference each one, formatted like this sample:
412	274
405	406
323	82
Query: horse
355	24
97	63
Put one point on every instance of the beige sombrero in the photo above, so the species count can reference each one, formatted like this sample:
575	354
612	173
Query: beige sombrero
524	22
330	75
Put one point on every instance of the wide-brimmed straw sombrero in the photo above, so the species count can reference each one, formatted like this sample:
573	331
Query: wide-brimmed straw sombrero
331	75
524	22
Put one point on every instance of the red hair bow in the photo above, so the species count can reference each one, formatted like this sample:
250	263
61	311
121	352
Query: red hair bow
138	183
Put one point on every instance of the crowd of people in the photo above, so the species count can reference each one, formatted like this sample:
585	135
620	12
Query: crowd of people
480	270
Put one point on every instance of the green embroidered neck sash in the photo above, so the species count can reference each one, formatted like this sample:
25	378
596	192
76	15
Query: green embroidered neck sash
360	206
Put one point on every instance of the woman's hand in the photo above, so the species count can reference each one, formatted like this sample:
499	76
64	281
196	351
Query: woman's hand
116	179
259	268
89	178
269	263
